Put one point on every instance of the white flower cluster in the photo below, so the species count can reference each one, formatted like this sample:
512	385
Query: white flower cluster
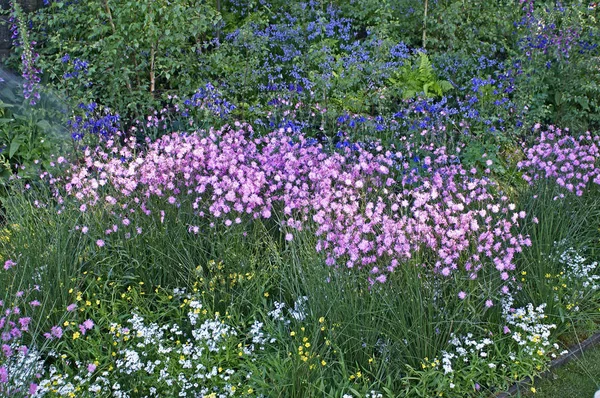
528	327
578	270
371	394
20	367
298	312
59	384
466	348
196	359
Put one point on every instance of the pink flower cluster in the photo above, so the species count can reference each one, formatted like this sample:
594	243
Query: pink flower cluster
14	326
569	161
369	209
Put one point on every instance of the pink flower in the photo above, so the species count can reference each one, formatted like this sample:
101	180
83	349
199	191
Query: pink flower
24	322
3	374
71	307
462	295
289	237
100	243
8	264
7	350
489	303
89	324
56	331
91	368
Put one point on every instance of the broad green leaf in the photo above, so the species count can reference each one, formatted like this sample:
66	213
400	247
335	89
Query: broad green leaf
14	147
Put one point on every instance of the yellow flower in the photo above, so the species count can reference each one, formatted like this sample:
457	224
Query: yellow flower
533	390
76	335
321	319
323	363
266	294
292	333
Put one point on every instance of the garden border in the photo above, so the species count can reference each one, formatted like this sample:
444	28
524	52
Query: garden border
574	352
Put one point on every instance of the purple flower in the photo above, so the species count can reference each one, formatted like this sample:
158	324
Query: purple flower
6	350
56	331
8	264
3	374
89	324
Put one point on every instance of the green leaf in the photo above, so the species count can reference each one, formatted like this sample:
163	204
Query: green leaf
14	147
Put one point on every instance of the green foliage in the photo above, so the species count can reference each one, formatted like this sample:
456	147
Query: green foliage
416	78
136	51
560	84
557	226
29	136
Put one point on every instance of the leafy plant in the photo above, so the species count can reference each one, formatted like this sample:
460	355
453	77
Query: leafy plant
28	135
418	77
133	52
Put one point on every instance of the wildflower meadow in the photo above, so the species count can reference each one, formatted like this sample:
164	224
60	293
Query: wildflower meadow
267	198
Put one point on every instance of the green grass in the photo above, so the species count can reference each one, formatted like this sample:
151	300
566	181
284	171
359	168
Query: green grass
579	378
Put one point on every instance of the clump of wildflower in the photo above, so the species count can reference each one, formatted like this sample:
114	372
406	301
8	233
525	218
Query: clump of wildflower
344	197
569	161
19	363
20	36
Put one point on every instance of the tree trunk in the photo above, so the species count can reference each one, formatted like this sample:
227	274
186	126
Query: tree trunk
424	39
